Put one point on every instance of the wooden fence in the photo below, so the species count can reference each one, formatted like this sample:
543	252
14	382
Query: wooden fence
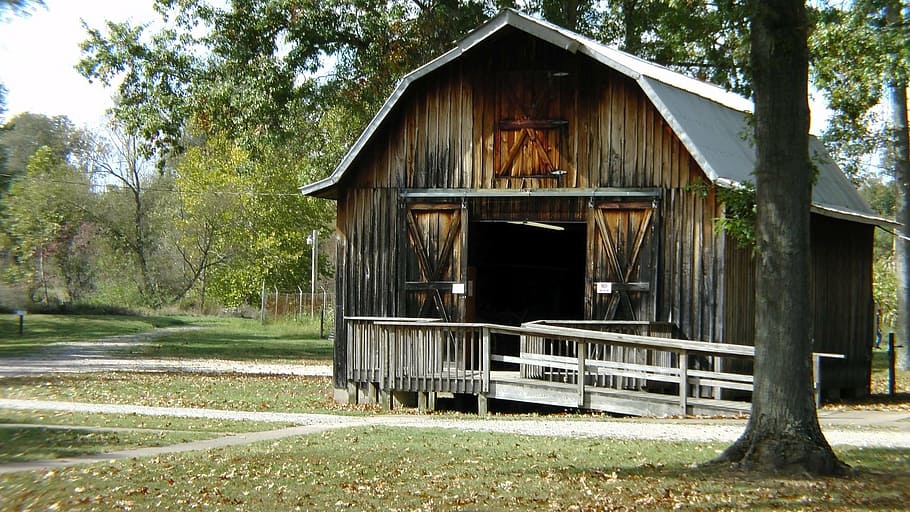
425	356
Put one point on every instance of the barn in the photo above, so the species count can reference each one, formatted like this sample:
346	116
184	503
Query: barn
533	177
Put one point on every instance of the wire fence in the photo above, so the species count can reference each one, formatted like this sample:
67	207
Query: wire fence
299	306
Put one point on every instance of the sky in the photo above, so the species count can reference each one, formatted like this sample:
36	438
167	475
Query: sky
38	54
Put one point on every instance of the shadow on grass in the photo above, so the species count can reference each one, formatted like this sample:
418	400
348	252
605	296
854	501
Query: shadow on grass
25	444
40	330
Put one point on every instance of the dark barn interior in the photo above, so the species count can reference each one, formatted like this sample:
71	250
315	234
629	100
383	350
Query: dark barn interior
527	271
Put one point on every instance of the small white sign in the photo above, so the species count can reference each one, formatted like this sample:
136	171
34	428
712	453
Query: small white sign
458	288
604	288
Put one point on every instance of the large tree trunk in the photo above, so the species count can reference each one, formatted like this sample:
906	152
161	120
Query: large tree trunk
632	42
783	433
898	94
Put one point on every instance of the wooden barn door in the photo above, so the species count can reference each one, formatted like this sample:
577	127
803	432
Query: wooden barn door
621	262
435	261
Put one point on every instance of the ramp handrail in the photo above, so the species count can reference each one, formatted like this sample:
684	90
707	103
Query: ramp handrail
427	355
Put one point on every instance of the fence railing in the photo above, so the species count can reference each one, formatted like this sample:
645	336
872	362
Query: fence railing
296	304
532	346
418	355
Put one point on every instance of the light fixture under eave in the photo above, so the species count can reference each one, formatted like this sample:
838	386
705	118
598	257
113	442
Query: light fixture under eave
533	224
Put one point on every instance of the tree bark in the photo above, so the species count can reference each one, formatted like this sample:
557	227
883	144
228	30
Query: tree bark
897	92
782	434
898	96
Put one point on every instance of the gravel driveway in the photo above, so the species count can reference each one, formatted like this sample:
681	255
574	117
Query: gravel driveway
105	355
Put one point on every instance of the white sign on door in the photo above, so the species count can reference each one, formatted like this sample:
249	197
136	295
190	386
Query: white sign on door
603	288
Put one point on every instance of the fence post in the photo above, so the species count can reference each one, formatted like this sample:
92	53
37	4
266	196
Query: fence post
21	314
322	315
891	364
262	305
299	303
276	302
582	352
485	360
683	381
817	379
313	241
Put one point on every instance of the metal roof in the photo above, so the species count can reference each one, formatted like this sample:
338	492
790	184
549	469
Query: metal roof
711	122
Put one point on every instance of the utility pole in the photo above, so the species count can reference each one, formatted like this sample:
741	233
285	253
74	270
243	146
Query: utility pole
313	242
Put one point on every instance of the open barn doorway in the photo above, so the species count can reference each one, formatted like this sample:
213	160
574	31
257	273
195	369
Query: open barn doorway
526	271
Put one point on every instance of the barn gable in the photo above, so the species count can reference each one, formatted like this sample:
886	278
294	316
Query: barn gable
710	122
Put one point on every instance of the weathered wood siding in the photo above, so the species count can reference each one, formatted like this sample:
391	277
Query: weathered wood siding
843	306
841	297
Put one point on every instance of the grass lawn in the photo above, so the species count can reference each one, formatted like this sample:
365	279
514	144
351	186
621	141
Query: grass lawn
20	444
413	469
42	330
880	374
217	391
133	421
879	399
243	339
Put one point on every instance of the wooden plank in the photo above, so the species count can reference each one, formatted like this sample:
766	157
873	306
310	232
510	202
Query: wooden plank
532	124
477	106
485	359
582	351
466	124
491	144
683	381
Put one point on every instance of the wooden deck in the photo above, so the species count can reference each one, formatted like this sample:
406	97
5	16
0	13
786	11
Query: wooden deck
540	363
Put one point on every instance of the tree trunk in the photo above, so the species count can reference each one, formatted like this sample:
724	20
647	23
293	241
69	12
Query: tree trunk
898	94
897	91
632	28
783	433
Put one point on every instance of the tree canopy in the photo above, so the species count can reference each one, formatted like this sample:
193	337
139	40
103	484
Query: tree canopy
216	93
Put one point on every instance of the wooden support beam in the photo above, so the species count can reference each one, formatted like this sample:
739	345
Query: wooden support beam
426	401
352	392
531	124
483	404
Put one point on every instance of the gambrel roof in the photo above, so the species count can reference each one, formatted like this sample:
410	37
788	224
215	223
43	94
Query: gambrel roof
709	121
